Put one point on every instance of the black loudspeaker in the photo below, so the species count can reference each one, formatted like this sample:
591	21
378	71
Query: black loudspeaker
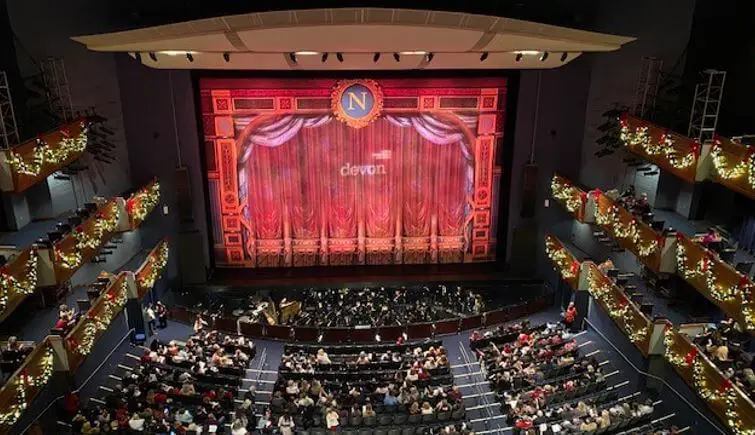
135	317
529	190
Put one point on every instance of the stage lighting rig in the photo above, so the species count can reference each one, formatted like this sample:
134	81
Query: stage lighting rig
227	57
153	56
483	56
544	56
429	57
190	57
292	56
396	57
564	55
324	57
518	57
339	56
376	57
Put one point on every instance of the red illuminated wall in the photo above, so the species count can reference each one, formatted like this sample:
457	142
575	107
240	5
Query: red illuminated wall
344	172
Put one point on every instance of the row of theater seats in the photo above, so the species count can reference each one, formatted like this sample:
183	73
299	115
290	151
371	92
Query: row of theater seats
63	228
355	387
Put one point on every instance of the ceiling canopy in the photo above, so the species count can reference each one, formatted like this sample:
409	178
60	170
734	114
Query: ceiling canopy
354	39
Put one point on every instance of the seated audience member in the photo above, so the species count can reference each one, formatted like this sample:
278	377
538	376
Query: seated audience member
642	205
711	240
606	266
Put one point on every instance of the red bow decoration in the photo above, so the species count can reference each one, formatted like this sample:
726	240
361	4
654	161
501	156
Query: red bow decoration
744	281
574	266
110	296
623	302
690	357
667	327
679	236
91	315
696	149
79	229
72	342
100	215
25	376
596	193
706	264
725	386
624	117
65	132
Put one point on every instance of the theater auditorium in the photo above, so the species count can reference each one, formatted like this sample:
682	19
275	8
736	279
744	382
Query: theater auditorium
276	218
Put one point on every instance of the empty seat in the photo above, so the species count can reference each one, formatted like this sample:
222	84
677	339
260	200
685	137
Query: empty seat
370	421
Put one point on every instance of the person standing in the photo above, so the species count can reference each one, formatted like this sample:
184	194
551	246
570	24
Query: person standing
151	319
162	315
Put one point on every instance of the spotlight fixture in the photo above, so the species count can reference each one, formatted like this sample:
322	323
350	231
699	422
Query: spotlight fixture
190	57
324	57
376	57
396	57
429	57
544	56
292	56
483	56
518	57
339	56
153	56
564	55
227	56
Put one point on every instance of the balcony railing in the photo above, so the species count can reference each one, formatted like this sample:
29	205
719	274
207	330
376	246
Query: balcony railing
152	268
26	383
18	280
81	245
629	232
671	151
724	398
733	165
565	262
569	195
625	313
142	202
32	161
717	280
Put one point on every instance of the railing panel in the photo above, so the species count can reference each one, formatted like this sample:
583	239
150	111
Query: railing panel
24	385
620	308
141	203
733	165
564	261
715	279
450	326
724	398
82	338
570	196
82	244
152	268
18	280
671	151
34	160
629	232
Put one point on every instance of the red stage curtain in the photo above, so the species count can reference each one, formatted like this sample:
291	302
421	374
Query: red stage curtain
297	189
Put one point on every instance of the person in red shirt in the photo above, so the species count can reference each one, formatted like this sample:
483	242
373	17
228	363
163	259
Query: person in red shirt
61	324
570	315
71	403
524	424
475	336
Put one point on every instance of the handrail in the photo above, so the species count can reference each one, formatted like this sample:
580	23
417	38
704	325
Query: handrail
671	151
724	398
565	262
152	267
620	308
715	279
18	280
630	232
26	383
32	161
142	202
81	245
569	195
733	165
81	339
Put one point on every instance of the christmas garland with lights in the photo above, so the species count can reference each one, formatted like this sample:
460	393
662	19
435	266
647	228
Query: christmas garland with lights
664	147
106	222
570	196
157	264
9	284
18	407
725	171
611	220
143	202
45	154
115	299
620	311
567	266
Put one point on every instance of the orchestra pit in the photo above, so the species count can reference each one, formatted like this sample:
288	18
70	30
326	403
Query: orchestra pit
530	218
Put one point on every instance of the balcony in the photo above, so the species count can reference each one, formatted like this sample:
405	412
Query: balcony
733	165
152	268
569	195
141	203
715	279
564	261
730	404
18	280
33	161
671	151
26	383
